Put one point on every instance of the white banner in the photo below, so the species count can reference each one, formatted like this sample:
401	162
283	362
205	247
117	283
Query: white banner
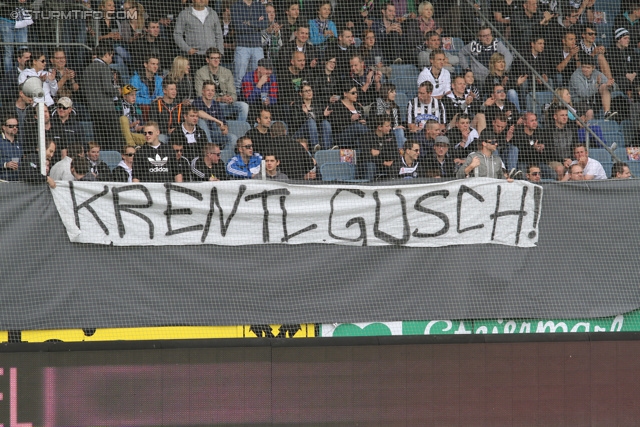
463	212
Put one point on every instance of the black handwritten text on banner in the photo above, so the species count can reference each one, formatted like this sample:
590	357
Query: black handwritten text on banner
470	211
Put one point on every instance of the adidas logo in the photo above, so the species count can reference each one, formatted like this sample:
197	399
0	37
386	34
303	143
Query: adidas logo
158	161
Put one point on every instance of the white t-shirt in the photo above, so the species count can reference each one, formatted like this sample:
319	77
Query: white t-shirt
594	168
200	14
441	85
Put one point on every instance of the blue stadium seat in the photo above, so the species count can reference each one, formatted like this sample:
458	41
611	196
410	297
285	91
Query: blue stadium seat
327	156
607	167
537	106
111	158
635	168
340	171
402	100
87	126
629	132
238	128
458	44
405	78
606	126
600	154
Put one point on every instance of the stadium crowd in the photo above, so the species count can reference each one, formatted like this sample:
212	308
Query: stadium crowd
168	82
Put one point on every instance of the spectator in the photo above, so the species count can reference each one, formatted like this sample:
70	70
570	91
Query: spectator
180	75
197	29
65	129
427	138
271	163
299	43
342	51
433	42
590	88
503	134
148	85
290	81
534	174
575	173
101	81
590	48
382	148
81	169
408	165
484	162
66	78
228	32
421	34
21	106
209	167
386	106
305	114
591	168
11	31
440	160
536	58
179	166
110	31
246	164
390	33
30	141
36	68
211	119
558	28
437	75
124	171
97	167
367	81
259	134
528	21
463	137
424	107
564	94
259	87
225	90
152	44
151	161
166	111
131	120
559	142
292	22
344	122
8	84
565	59
30	172
10	149
477	54
371	53
530	141
61	171
322	29
624	62
189	136
326	82
458	102
504	11
249	18
271	36
295	161
620	170
630	19
497	103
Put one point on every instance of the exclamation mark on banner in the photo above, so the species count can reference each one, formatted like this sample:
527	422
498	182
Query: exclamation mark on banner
537	196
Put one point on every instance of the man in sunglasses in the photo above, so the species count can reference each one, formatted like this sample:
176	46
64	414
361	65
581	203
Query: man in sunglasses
534	174
10	149
246	165
482	163
65	129
151	162
209	166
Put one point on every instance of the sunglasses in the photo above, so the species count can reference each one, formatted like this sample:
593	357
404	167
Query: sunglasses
63	108
129	154
149	133
248	147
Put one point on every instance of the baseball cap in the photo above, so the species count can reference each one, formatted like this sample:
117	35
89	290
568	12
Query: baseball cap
441	140
65	102
127	89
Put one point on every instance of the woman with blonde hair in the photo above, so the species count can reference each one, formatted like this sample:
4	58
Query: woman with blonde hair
180	74
562	93
498	75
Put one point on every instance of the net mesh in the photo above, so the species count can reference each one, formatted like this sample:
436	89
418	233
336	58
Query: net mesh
271	168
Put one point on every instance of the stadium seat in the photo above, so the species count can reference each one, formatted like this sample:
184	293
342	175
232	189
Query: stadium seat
606	126
327	156
537	105
340	171
87	126
238	128
635	168
402	100
629	132
111	158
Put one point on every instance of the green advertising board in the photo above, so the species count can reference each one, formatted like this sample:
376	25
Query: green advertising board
629	322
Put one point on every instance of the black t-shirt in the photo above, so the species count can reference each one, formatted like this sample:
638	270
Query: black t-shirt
387	145
154	164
